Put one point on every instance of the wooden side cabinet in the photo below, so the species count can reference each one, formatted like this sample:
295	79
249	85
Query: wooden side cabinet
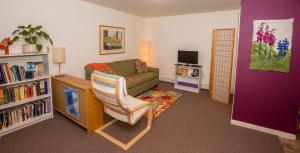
90	108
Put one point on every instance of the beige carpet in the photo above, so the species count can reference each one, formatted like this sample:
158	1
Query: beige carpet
194	124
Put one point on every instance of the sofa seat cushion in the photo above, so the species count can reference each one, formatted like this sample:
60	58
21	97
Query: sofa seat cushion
134	80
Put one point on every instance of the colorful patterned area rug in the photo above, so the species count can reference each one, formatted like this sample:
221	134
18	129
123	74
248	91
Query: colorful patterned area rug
161	99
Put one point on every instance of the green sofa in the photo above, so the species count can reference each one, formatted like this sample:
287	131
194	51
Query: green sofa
137	83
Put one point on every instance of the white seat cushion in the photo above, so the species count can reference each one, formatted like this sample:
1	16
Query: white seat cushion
132	102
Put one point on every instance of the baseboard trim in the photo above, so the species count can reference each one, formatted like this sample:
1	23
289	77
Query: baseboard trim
204	86
166	79
263	129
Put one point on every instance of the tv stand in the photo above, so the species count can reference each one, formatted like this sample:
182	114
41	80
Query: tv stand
188	77
189	65
195	65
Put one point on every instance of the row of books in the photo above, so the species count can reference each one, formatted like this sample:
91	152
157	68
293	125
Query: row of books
22	113
20	92
11	74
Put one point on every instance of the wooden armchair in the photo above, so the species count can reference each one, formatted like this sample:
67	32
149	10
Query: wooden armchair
111	90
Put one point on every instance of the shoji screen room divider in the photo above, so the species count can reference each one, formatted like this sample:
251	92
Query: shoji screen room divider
221	64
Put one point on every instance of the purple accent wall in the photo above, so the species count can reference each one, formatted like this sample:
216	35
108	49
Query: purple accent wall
266	98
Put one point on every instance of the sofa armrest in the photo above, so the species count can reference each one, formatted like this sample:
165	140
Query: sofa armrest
142	105
88	72
153	69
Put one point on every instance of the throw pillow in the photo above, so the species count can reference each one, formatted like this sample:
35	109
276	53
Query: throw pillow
141	67
101	67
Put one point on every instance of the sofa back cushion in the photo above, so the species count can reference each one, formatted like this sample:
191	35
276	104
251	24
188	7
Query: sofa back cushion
124	68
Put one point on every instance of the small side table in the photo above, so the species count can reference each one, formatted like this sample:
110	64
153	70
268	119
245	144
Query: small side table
90	108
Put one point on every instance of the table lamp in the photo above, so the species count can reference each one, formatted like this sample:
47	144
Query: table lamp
59	58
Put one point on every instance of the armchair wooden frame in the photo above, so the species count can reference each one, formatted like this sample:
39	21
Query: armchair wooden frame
124	111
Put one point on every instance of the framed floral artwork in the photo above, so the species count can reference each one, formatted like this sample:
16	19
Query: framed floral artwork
272	45
112	40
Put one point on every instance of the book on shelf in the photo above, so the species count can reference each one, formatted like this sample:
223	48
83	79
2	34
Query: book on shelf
1	97
40	69
11	74
15	73
37	68
3	74
22	113
21	92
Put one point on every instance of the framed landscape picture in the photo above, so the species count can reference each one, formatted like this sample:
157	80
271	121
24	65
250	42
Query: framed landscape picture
112	40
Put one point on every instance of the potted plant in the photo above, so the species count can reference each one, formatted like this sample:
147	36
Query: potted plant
33	37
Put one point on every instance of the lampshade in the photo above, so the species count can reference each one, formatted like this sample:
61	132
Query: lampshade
58	55
145	52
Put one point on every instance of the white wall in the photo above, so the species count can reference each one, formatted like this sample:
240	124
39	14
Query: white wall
189	32
72	24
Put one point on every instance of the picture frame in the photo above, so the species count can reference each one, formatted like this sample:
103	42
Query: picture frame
272	45
72	104
112	40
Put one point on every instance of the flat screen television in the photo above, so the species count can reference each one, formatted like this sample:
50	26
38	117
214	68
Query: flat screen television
187	57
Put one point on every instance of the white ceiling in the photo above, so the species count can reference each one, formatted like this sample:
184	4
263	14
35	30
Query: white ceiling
155	8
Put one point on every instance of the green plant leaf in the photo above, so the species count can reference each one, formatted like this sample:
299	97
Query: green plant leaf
38	28
15	38
27	40
15	31
51	41
24	33
31	35
21	27
39	47
33	39
32	30
39	34
45	35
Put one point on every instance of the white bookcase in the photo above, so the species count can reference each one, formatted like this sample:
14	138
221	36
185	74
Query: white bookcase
188	78
21	60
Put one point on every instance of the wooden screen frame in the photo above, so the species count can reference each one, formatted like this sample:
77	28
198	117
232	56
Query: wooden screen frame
212	66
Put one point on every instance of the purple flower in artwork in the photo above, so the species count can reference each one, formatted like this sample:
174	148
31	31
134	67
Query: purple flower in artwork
269	38
264	34
283	47
260	36
260	33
